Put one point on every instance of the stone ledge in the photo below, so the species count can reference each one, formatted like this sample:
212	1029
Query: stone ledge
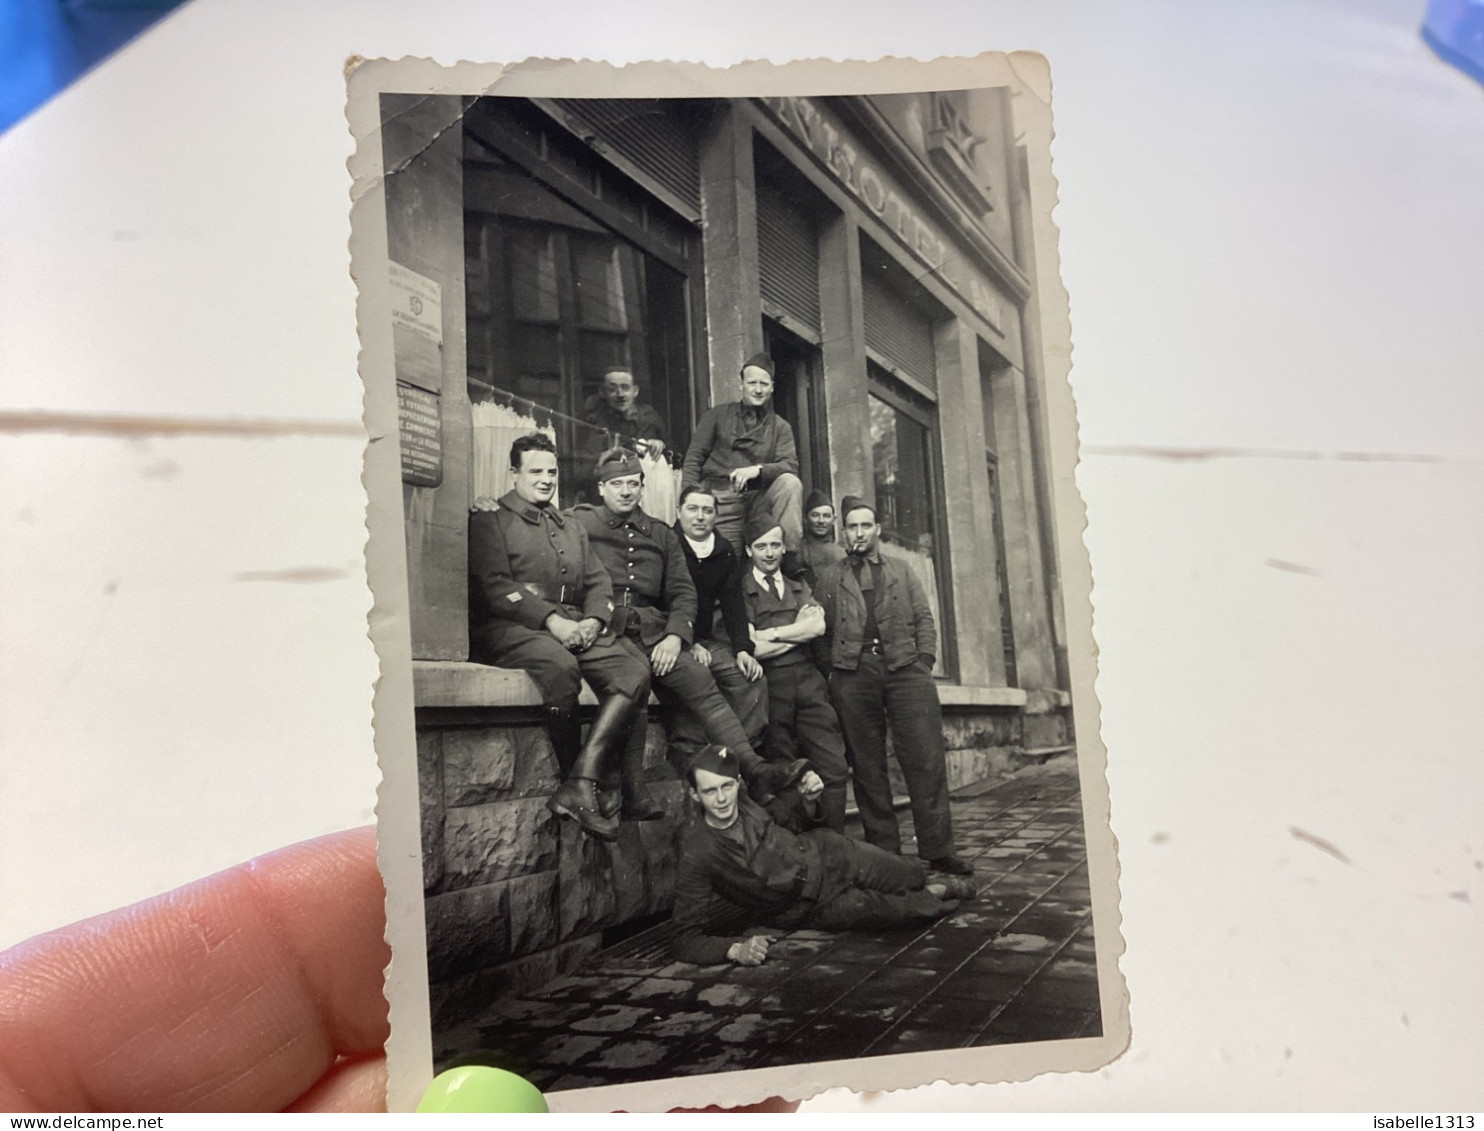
447	683
951	695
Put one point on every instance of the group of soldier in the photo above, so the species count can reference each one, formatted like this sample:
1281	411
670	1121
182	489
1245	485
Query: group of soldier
782	657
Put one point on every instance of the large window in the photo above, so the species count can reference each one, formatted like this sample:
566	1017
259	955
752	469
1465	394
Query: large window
909	494
554	300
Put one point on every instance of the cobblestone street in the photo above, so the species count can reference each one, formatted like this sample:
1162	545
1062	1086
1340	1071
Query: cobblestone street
1015	965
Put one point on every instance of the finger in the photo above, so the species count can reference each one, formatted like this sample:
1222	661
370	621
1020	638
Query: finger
236	993
352	1085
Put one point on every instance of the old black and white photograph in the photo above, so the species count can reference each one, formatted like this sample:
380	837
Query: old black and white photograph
744	656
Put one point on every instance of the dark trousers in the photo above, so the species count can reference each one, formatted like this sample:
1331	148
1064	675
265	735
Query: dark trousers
748	701
802	724
864	888
867	700
690	686
613	665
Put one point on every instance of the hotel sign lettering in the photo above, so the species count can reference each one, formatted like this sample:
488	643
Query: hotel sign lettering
879	193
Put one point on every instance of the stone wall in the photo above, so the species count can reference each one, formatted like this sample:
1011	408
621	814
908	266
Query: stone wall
515	896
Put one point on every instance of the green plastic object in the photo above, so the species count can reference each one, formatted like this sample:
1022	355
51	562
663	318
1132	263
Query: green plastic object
477	1088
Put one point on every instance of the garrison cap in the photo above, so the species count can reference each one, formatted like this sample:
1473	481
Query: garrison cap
760	361
816	499
758	525
716	759
855	502
618	461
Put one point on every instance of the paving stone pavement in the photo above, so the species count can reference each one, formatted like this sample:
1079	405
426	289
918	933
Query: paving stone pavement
1015	965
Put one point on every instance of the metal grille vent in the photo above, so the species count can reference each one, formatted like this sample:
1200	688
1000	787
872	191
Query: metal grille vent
897	329
788	254
649	133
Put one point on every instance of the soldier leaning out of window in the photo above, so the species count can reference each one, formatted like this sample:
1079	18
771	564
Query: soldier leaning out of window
617	419
816	879
655	610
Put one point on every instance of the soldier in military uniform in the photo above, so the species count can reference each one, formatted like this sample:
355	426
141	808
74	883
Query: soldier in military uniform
816	879
785	617
540	601
655	608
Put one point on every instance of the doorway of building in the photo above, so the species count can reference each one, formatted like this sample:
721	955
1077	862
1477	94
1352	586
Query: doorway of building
798	397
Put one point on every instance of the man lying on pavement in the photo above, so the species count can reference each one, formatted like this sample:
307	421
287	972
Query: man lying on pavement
816	879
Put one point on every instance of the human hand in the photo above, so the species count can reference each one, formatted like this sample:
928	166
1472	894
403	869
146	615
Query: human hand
810	786
810	613
751	951
566	630
749	666
742	476
591	628
665	655
485	503
258	989
700	655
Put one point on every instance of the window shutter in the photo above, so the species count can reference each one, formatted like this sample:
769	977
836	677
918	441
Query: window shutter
897	330
648	134
788	255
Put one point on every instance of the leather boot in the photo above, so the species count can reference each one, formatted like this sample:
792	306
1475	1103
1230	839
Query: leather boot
638	803
577	797
565	729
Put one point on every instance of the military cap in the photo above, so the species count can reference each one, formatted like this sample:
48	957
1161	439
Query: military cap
716	759
855	502
618	461
760	361
758	525
816	499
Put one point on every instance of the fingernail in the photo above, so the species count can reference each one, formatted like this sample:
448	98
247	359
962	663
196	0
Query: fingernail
478	1088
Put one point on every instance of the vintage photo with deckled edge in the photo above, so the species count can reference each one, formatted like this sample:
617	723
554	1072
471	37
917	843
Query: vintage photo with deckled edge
812	311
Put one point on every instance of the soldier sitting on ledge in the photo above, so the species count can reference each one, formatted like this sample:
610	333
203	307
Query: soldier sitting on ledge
540	601
655	611
816	879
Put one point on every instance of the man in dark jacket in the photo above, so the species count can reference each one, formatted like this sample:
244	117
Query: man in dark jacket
655	609
880	644
540	601
785	617
745	453
817	879
716	568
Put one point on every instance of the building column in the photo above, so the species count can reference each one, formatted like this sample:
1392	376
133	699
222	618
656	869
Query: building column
734	317
1035	658
425	233
970	519
843	360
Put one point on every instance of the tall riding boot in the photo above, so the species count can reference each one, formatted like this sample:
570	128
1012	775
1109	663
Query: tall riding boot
577	797
565	729
638	803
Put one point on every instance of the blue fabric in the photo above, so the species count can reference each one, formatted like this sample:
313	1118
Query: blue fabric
1455	30
46	45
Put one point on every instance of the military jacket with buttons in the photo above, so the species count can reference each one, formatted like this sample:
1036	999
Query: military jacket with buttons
527	562
652	585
